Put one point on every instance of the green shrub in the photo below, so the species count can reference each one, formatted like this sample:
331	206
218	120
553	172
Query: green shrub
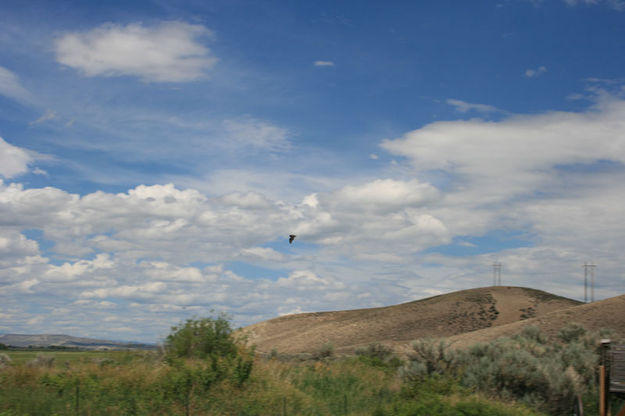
443	395
378	355
532	333
527	367
242	370
571	333
201	338
42	360
5	360
326	351
430	357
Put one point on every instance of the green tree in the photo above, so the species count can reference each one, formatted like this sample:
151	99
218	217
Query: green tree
201	338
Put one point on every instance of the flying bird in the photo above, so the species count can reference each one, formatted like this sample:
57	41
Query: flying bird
291	238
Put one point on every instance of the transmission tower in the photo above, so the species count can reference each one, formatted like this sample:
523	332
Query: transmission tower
496	274
589	271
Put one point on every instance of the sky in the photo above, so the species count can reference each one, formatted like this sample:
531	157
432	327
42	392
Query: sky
156	155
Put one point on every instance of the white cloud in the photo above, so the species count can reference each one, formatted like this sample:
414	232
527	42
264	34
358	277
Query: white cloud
384	195
382	217
175	227
519	155
72	271
168	52
323	63
10	86
127	291
464	107
13	160
262	254
533	73
556	176
159	254
305	279
14	244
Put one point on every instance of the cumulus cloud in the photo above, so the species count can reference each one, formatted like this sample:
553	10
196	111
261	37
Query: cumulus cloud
11	87
383	195
384	217
145	247
556	176
168	52
13	160
305	279
72	271
519	155
263	254
14	244
159	254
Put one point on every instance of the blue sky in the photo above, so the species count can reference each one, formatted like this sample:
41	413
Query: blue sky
155	156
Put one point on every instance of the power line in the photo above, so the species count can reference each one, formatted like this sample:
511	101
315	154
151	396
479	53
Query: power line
589	271
496	274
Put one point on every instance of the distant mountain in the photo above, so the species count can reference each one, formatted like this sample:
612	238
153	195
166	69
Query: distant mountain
67	341
448	315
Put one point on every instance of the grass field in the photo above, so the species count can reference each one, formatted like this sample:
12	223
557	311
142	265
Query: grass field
61	357
141	383
205	370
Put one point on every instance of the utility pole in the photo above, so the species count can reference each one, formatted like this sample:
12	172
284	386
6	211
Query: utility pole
496	274
589	270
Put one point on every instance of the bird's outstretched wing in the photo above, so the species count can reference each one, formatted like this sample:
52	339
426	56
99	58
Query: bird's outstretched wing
291	238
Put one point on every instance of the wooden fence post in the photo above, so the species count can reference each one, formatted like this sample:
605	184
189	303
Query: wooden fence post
77	402
604	404
602	392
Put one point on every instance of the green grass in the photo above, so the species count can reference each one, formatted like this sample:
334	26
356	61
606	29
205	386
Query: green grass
138	383
204	371
72	357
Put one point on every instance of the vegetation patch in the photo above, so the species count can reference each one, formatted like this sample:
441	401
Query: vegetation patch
530	368
204	369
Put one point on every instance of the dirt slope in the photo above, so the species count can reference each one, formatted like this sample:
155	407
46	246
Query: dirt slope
608	313
439	316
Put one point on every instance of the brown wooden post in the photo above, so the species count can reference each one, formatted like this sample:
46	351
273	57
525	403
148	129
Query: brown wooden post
602	392
604	404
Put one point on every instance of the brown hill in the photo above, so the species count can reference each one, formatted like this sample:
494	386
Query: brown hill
607	313
439	316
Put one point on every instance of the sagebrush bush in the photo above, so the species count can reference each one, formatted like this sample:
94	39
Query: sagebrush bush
430	357
42	360
5	360
326	351
571	333
379	355
529	367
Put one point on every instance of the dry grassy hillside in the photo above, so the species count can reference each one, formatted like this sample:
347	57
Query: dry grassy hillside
608	313
439	316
